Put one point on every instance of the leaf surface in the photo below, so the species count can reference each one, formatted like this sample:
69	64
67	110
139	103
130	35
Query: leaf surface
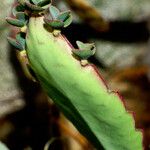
79	92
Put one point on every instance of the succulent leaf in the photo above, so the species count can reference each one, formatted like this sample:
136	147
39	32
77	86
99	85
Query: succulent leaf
15	22
20	37
83	54
36	1
44	2
14	43
64	16
68	21
33	7
98	114
18	8
85	46
22	16
54	23
54	12
79	92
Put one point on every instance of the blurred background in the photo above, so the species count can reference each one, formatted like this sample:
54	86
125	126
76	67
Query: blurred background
121	31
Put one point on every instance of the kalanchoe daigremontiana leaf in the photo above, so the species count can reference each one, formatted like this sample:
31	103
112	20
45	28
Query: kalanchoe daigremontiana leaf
44	3
36	1
19	42
14	43
54	24
33	7
68	21
20	21
22	17
37	5
65	17
56	19
41	3
83	54
18	8
85	50
54	12
15	22
20	37
85	46
79	91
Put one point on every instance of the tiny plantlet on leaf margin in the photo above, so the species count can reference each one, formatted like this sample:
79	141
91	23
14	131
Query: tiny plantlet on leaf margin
74	85
84	51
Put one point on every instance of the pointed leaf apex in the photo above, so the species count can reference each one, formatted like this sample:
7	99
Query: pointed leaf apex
83	54
20	38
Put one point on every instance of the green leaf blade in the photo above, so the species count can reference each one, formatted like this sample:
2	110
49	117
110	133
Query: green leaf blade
54	11
68	21
85	46
15	22
14	43
83	54
21	40
36	1
64	16
44	3
18	8
80	93
34	7
54	23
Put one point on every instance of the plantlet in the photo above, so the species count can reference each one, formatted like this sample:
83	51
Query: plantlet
76	87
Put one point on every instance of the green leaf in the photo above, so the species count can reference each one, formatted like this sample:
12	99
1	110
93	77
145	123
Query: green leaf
64	16
15	22
20	37
79	92
19	42
85	46
83	54
54	23
34	7
41	3
18	8
22	16
14	43
44	2
68	21
36	1
54	11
